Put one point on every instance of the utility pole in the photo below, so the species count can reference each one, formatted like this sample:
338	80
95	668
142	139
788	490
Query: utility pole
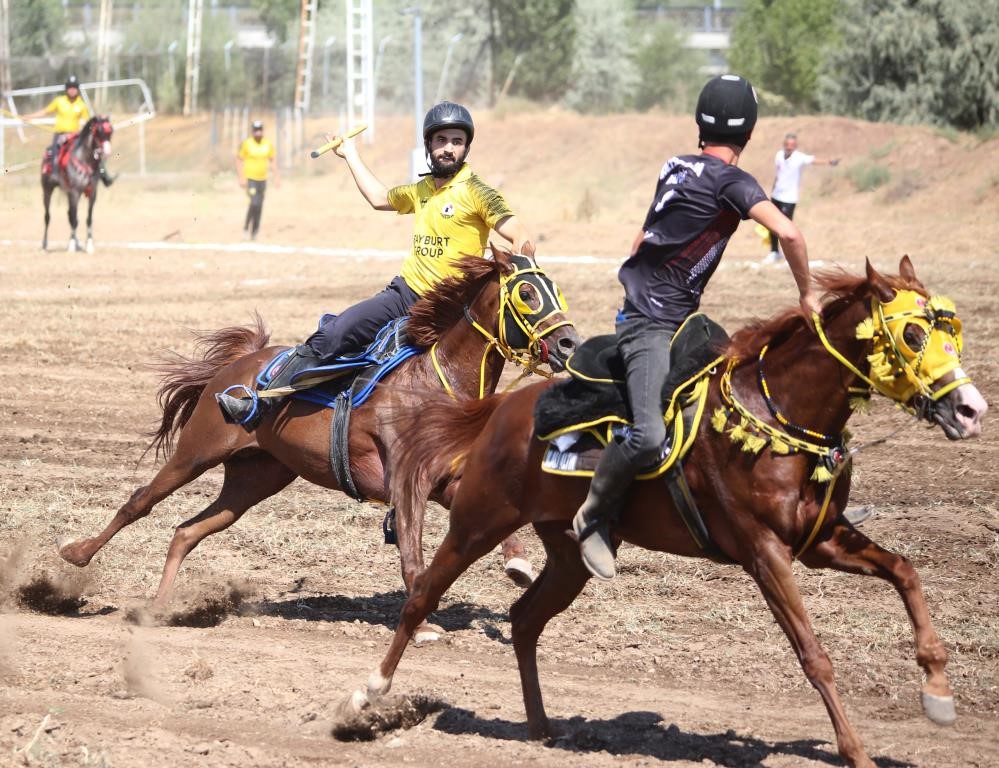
360	67
306	43
103	47
194	13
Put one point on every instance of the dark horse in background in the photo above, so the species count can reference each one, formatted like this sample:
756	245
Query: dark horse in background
500	309
762	504
75	170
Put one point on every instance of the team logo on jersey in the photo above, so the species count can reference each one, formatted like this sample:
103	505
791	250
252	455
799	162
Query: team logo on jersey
448	210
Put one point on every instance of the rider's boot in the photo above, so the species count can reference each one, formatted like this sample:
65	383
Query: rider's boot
591	524
237	410
106	177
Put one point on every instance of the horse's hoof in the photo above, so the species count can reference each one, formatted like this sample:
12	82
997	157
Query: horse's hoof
520	572
378	685
90	246
353	705
66	546
427	633
940	709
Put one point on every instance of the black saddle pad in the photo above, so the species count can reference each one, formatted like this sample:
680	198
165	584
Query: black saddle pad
597	388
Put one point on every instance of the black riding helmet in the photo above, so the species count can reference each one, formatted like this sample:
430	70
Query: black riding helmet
447	114
72	82
726	110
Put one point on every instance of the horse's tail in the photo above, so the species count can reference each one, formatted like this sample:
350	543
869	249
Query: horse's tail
184	379
435	439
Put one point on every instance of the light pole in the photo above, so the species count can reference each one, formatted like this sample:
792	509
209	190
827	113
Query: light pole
418	159
447	61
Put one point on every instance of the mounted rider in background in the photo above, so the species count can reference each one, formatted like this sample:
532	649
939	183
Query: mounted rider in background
70	114
454	213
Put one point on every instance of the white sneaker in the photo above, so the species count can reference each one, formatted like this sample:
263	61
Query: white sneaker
773	257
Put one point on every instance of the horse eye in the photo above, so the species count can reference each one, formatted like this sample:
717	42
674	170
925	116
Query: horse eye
525	293
913	336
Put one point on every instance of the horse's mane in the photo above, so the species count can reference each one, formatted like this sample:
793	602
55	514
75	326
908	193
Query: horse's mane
443	305
84	132
841	289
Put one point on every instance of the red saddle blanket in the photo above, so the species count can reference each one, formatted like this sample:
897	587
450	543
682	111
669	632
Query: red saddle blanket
64	155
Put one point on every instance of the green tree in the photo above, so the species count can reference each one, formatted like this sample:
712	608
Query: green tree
913	61
543	33
35	27
780	46
603	77
668	73
278	15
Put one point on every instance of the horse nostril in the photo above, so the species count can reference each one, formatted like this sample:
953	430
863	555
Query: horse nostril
566	345
967	412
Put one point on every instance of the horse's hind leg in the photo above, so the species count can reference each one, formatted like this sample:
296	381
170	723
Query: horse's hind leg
73	200
849	550
562	579
247	482
771	568
181	469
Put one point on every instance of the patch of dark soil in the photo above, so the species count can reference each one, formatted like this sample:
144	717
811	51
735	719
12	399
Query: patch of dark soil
390	714
45	595
207	609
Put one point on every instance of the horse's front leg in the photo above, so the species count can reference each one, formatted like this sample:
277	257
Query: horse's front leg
47	190
409	533
851	551
92	198
770	566
73	199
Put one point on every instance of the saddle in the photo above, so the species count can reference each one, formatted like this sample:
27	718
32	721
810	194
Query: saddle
359	373
580	415
55	167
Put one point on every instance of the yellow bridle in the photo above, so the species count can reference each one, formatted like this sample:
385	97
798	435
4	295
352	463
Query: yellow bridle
525	322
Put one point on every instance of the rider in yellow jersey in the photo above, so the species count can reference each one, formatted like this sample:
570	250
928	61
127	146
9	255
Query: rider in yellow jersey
255	155
70	114
454	210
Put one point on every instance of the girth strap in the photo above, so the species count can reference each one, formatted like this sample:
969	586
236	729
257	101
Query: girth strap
683	500
340	445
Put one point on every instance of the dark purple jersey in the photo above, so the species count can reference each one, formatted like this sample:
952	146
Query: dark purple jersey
699	202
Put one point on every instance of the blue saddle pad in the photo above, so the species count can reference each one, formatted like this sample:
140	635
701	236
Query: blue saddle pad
386	353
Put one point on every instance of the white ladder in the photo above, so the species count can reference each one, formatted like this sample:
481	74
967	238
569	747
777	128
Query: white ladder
306	44
360	67
192	71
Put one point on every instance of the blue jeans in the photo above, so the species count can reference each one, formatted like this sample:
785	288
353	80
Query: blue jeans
644	346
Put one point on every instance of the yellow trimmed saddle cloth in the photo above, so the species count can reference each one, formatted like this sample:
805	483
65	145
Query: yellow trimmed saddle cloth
581	415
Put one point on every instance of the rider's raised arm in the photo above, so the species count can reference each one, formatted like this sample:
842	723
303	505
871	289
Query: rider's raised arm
373	190
793	243
513	229
49	109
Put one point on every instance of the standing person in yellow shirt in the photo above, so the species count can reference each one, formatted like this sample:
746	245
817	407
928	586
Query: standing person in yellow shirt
454	211
70	114
255	155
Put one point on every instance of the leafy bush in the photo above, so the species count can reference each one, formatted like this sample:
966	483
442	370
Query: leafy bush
867	176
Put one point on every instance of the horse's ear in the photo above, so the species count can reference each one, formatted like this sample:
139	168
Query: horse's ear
501	256
879	285
906	270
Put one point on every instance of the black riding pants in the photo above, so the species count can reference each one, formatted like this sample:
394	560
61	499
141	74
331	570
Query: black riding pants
356	327
644	346
788	210
255	190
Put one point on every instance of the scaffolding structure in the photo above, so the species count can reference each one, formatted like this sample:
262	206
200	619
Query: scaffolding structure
192	71
306	44
360	67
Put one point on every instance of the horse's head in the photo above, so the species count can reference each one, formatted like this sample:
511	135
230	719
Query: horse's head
916	354
99	131
532	312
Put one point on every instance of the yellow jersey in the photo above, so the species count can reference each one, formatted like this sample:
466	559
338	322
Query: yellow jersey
451	222
255	155
70	115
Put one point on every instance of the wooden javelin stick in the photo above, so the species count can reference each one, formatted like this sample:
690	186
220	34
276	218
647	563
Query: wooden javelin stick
338	140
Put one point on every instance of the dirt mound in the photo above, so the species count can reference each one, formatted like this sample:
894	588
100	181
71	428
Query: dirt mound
392	713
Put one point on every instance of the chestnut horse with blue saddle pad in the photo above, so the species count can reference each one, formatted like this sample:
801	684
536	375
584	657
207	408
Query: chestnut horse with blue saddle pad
764	466
503	308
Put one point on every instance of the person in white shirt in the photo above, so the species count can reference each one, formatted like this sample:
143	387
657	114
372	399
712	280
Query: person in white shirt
789	163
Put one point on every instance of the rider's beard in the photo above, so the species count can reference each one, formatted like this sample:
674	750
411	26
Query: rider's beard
446	164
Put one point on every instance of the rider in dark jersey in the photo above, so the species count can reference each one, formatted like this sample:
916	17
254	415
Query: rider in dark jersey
699	201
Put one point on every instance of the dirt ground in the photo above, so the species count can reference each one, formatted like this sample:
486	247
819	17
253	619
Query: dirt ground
677	661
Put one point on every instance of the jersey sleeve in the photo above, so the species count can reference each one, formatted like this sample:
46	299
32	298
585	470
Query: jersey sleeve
489	204
84	112
242	150
53	106
740	191
807	159
271	152
403	198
